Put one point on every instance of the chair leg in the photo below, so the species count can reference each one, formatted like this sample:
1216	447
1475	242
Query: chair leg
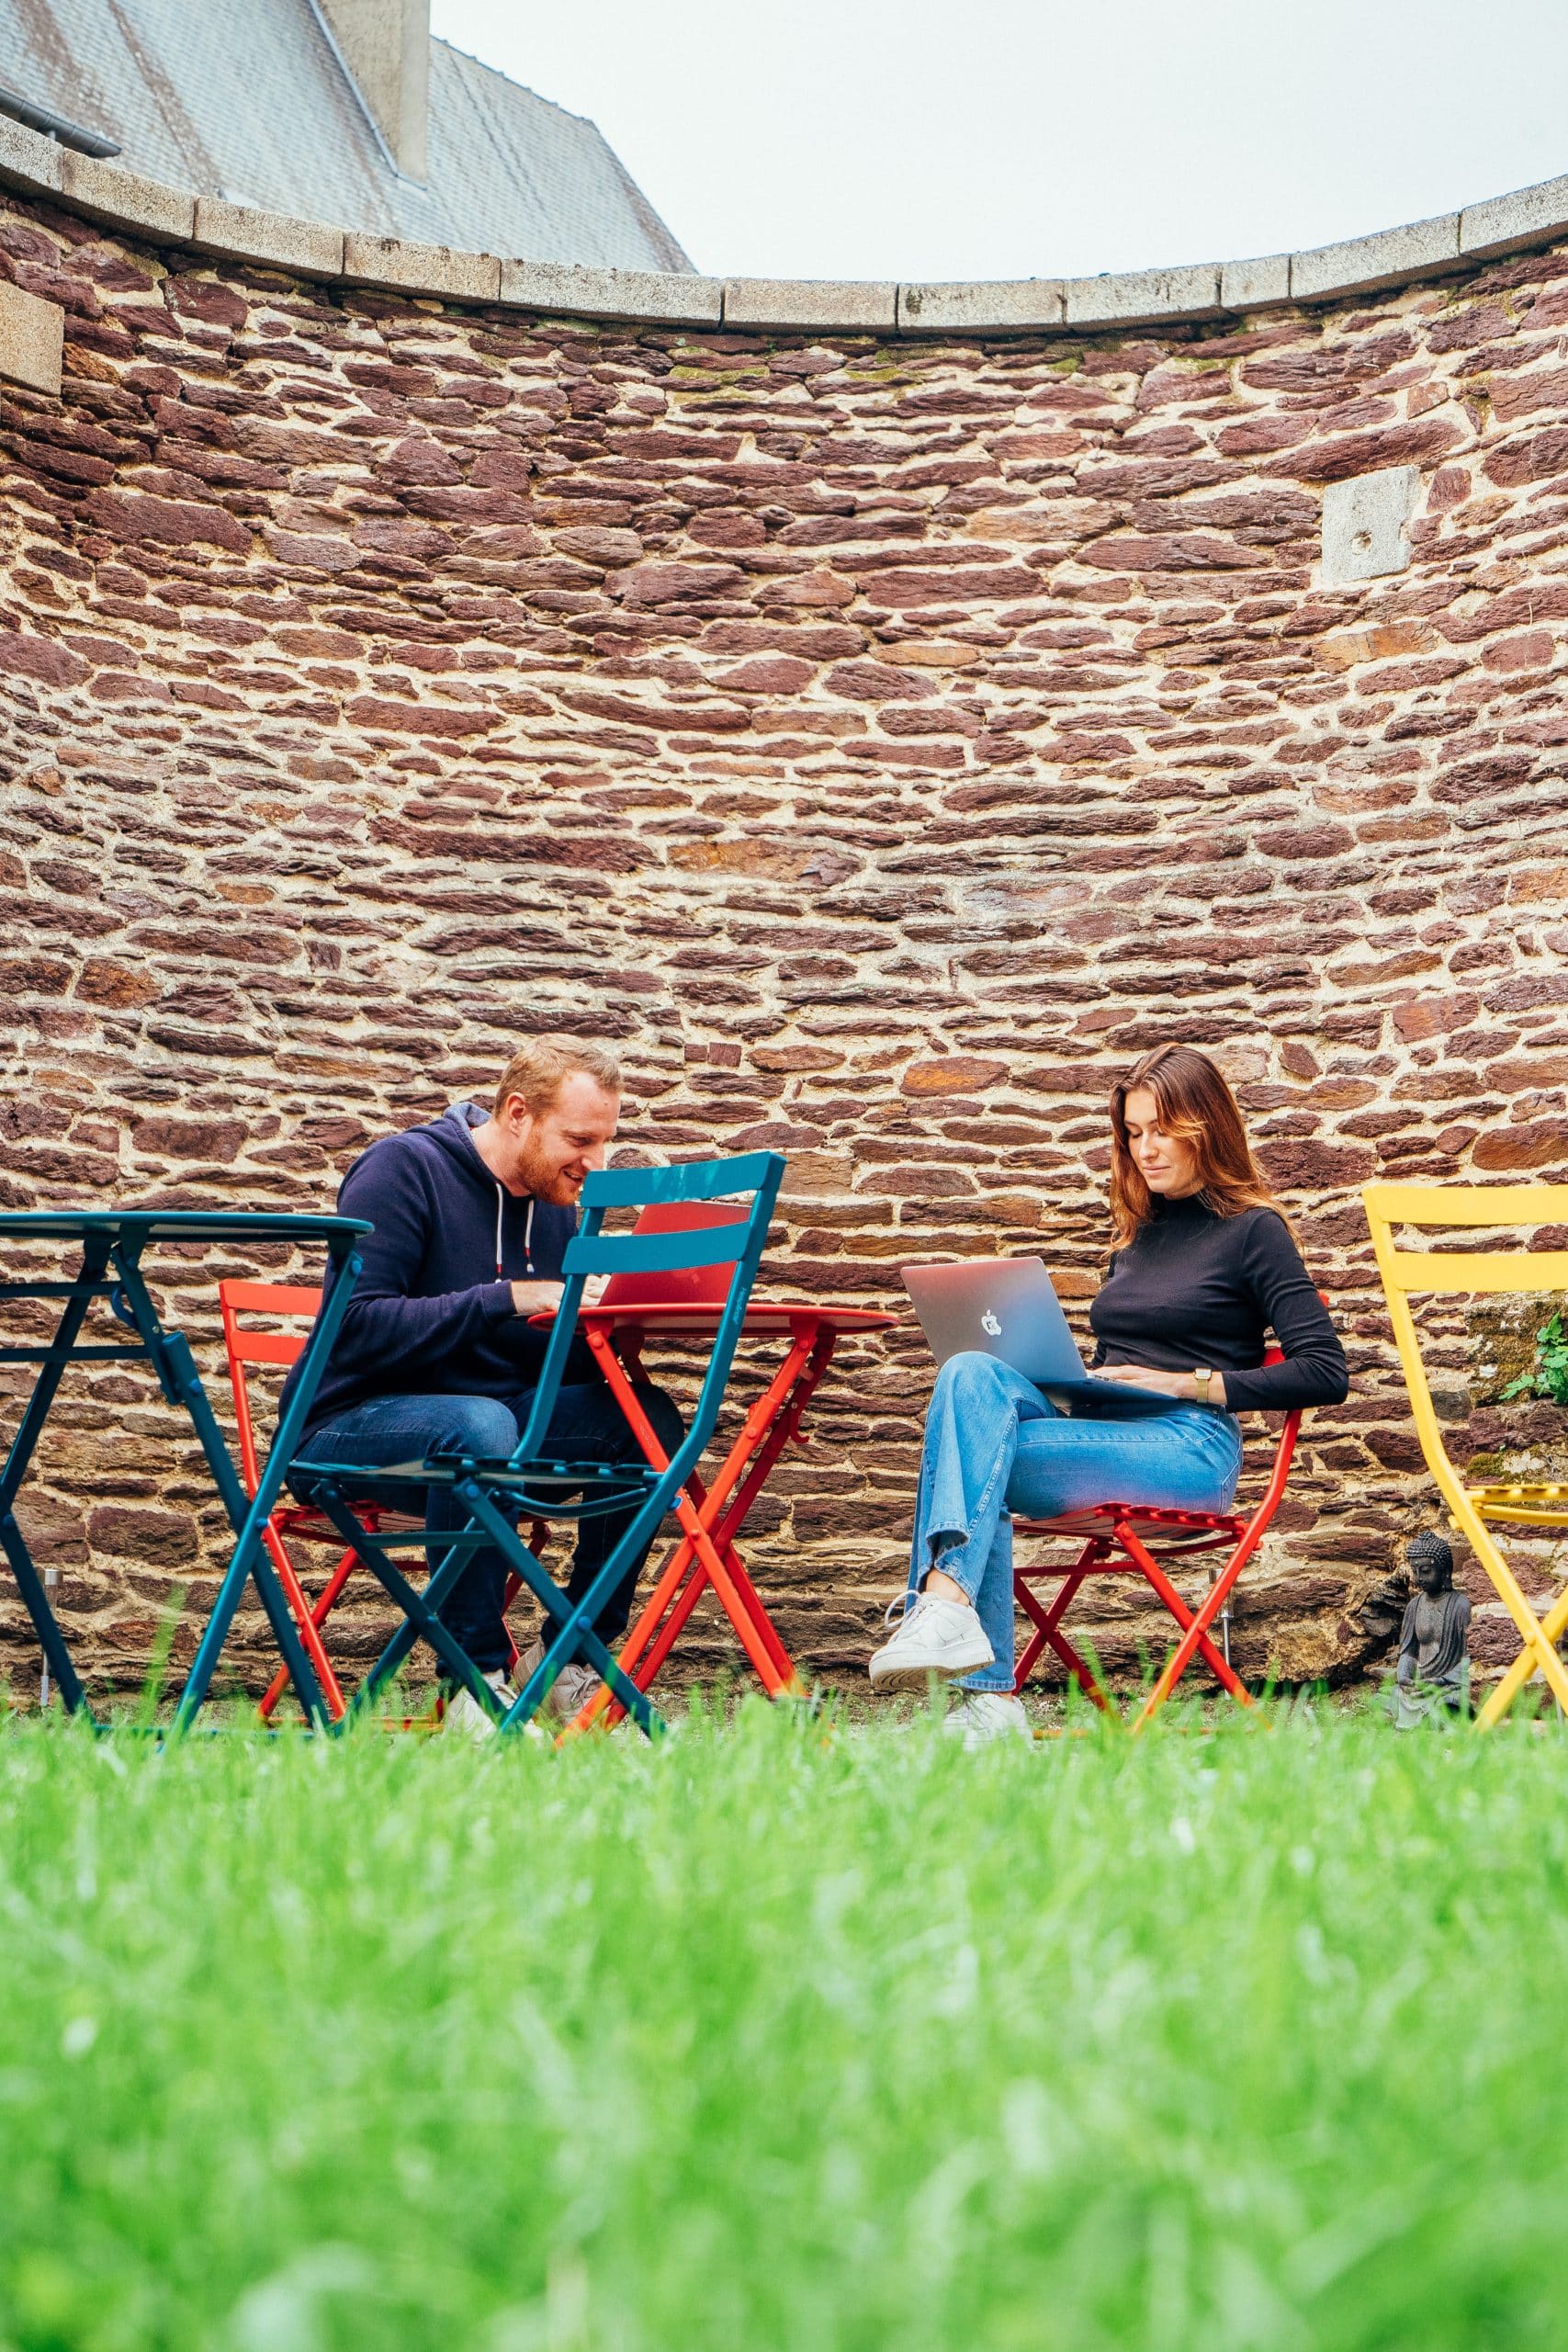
1048	1635
1537	1652
419	1612
309	1621
1046	1621
1194	1627
574	1635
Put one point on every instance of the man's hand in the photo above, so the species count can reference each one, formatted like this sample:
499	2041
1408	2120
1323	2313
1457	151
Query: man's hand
543	1298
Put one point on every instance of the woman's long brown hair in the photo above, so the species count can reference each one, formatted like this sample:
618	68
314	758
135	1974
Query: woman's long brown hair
1197	1108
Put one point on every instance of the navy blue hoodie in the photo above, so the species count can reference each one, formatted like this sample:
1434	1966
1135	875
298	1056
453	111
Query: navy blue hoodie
432	1313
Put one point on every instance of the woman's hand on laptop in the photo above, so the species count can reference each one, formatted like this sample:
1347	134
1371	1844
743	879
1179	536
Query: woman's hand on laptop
1183	1384
543	1298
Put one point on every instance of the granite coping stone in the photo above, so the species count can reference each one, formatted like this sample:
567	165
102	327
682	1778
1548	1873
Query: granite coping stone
1362	265
1504	223
577	292
1142	296
144	207
440	270
1252	285
984	306
28	160
241	232
786	303
125	200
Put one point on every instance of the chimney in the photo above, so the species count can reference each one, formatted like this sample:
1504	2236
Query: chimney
386	45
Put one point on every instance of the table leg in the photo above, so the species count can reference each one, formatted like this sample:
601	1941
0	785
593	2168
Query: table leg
85	1285
776	1417
707	1539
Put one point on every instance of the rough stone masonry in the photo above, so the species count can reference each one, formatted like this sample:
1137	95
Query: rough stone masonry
883	741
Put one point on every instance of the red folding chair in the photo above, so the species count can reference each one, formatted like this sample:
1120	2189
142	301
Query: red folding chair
245	1346
1117	1540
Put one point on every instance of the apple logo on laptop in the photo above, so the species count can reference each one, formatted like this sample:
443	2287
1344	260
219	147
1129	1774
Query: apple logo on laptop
989	1323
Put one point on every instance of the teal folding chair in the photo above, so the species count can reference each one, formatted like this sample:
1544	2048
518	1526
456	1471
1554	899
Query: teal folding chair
537	1482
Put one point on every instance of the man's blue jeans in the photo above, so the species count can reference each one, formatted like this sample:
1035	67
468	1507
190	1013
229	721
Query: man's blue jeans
994	1445
587	1426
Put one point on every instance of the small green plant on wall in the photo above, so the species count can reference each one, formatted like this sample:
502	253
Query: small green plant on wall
1547	1375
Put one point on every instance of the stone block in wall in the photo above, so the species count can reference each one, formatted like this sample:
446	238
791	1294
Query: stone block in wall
420	269
1002	306
32	339
243	233
1362	264
571	291
1138	297
784	303
1366	525
1502	223
104	192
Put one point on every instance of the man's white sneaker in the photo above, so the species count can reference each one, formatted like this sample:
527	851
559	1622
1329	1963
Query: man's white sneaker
981	1717
572	1687
466	1719
935	1637
575	1685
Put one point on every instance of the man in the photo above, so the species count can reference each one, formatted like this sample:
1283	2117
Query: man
472	1215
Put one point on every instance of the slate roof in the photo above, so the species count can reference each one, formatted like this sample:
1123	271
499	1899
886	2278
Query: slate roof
247	99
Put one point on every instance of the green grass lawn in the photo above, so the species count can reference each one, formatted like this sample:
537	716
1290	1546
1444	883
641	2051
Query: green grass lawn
775	2037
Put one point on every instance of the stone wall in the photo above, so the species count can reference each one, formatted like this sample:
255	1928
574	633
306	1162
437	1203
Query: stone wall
882	740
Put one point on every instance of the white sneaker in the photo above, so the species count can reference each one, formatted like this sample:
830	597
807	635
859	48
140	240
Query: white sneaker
467	1720
571	1690
935	1637
575	1685
981	1717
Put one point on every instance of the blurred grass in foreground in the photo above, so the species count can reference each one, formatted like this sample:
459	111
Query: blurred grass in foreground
775	2037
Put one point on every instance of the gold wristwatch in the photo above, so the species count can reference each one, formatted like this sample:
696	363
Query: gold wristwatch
1202	1378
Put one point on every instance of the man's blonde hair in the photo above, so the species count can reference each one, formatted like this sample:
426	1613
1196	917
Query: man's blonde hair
539	1069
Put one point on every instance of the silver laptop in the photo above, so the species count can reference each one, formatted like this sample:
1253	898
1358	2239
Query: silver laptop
1006	1307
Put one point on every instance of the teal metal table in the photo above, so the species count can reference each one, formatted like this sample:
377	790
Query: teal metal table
113	1242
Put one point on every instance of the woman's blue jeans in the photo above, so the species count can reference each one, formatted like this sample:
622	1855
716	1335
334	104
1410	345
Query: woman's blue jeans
994	1445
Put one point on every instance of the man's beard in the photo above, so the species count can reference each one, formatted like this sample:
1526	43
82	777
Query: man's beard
549	1184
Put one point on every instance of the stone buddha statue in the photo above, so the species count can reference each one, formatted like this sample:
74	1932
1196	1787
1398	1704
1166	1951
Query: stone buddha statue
1434	1662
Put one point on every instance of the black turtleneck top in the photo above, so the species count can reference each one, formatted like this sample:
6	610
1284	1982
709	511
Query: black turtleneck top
1192	1289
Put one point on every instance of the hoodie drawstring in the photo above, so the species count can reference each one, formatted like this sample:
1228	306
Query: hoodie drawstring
527	1235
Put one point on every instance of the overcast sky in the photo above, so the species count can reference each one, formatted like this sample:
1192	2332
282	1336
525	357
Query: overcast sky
1028	137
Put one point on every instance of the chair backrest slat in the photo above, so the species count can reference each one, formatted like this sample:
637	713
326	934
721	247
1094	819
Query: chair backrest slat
267	1347
1446	1274
1453	1205
683	1285
1450	1272
688	1179
650	1254
269	1298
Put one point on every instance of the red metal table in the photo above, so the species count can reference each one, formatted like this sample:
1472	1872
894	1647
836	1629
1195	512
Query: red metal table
712	1517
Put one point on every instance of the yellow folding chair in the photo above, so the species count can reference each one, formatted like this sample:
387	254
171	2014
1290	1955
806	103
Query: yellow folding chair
1448	1274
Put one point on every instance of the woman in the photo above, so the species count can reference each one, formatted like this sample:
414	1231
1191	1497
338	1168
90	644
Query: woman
1204	1266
